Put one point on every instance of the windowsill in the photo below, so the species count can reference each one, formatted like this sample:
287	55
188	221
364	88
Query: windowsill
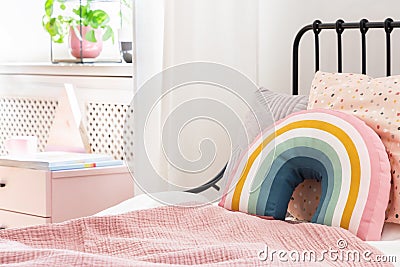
123	70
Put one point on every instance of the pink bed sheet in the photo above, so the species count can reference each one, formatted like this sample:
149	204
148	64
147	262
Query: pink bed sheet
170	236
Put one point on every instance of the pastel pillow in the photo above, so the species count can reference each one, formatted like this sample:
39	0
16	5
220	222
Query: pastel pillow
281	105
336	149
278	104
375	101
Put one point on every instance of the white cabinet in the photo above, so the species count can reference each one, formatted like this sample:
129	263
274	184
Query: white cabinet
29	96
30	197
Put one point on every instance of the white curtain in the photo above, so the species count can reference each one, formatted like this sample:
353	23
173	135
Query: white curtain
172	32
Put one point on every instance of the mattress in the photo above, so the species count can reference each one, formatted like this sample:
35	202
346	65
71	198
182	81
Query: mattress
389	245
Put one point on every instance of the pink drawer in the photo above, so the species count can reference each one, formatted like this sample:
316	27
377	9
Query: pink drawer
10	219
25	191
80	193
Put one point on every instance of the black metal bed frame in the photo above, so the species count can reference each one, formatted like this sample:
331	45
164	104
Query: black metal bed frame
363	26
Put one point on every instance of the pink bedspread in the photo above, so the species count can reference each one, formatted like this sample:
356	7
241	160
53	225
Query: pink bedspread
178	236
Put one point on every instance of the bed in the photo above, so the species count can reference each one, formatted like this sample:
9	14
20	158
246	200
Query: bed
143	232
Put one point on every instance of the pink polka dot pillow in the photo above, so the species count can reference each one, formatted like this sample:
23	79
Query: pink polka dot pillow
377	103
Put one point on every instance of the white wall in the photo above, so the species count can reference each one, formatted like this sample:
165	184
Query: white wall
223	31
280	20
22	36
173	32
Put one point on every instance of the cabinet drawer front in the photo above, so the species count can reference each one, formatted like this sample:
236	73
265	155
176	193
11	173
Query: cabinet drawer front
10	219
26	191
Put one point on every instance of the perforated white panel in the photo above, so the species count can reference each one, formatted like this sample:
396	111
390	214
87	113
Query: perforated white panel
104	122
105	125
26	116
128	136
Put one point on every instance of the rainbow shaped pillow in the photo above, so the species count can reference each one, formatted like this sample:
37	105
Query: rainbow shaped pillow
335	148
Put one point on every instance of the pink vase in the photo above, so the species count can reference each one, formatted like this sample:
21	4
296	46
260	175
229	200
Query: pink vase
89	49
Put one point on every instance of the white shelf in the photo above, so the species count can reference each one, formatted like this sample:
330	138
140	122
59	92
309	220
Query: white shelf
122	70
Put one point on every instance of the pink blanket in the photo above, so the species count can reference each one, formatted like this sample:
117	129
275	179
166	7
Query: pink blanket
182	236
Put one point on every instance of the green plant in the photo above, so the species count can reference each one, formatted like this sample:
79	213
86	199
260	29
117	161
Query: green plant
58	26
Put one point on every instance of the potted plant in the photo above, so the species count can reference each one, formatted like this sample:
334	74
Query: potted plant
86	27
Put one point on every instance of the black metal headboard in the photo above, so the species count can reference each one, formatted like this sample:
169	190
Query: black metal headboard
363	26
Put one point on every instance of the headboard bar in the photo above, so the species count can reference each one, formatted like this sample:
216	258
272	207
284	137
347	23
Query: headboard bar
363	26
316	31
388	29
363	30
339	30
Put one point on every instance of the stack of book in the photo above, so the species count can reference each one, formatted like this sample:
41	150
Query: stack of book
58	161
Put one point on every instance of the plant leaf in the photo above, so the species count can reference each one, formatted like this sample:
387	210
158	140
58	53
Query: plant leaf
99	18
108	34
58	39
48	7
62	6
88	17
45	20
91	36
53	27
82	11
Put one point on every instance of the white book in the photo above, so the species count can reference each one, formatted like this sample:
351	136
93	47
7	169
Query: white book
53	160
75	166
